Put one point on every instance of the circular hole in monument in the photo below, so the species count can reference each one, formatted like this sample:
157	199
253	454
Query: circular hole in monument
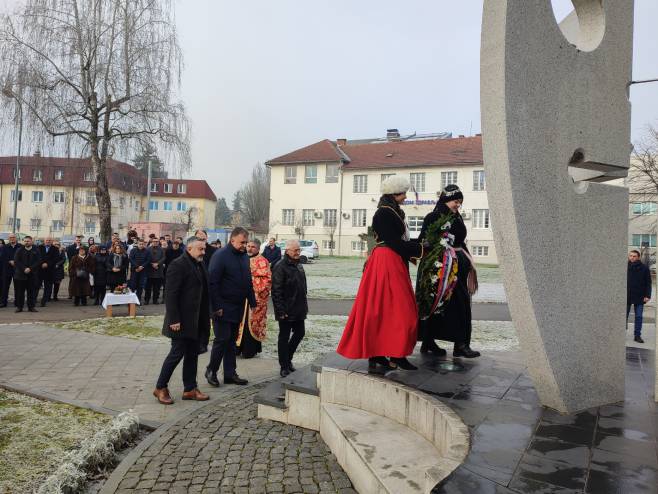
582	22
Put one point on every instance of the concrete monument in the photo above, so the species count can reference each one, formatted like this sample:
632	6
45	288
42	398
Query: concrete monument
556	123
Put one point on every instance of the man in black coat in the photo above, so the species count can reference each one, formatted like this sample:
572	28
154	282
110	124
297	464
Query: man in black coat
638	290
210	249
290	304
272	252
27	263
8	254
231	290
49	258
72	250
187	321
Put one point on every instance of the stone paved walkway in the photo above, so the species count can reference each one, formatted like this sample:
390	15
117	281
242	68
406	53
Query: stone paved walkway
224	448
102	372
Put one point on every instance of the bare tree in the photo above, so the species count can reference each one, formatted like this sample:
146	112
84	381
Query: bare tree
300	227
96	77
188	218
254	198
331	233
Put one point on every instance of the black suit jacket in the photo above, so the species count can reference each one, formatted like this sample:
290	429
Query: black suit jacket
51	258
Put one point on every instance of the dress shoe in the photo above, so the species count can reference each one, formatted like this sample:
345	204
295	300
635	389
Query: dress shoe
464	351
403	363
32	309
54	299
211	377
291	367
19	310
639	339
284	372
195	395
430	346
43	304
380	365
235	379
163	396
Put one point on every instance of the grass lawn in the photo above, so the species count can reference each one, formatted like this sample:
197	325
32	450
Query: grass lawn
35	437
140	327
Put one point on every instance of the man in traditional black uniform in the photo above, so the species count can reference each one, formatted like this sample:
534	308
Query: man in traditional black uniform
27	262
8	254
49	258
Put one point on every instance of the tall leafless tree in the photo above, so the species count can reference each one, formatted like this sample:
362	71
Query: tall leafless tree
98	78
255	199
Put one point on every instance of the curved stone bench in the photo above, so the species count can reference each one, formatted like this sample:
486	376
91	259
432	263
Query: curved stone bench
386	436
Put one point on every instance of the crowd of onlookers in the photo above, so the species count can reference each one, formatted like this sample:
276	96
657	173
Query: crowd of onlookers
92	268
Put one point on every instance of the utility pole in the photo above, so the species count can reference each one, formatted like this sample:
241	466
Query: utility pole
148	191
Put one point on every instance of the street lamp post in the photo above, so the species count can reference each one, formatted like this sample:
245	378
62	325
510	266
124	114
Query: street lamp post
9	93
148	192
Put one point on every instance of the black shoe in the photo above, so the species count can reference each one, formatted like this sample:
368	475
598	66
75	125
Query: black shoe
235	380
2	306
211	377
19	310
639	339
291	367
403	363
430	346
32	309
76	304
54	299
43	304
380	364
464	351
146	302
284	372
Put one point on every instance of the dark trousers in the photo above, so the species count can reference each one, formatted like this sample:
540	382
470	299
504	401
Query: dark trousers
21	287
153	286
80	300
288	344
638	309
56	289
99	292
223	348
6	283
47	291
137	282
184	349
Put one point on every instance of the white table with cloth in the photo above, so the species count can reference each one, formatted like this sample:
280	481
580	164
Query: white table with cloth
129	299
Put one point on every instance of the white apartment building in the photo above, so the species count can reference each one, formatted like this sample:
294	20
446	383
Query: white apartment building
328	191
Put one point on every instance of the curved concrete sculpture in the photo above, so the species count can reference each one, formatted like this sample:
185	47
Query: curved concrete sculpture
555	121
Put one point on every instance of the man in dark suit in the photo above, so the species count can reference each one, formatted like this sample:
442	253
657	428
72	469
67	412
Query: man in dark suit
72	250
8	254
272	252
187	321
49	258
210	249
27	262
231	290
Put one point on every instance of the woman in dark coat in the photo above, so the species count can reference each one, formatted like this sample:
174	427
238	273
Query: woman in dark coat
453	322
116	267
81	266
59	270
100	275
383	321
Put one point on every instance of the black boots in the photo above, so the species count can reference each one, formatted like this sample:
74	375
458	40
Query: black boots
430	346
403	363
463	350
380	365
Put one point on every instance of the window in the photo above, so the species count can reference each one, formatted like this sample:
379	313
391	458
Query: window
384	176
90	227
59	174
288	217
12	196
328	244
137	205
58	226
154	187
154	205
35	223
168	188
122	202
37	196
181	206
358	246
182	188
479	182
166	205
58	197
448	178
307	217
481	218
644	208
90	198
644	239
290	175
417	181
89	176
311	174
360	184
331	176
358	217
329	217
14	173
10	223
37	175
415	223
480	250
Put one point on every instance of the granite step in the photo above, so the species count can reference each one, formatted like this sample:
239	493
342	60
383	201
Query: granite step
303	380
272	395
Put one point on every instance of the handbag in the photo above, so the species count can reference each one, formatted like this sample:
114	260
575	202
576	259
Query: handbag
81	274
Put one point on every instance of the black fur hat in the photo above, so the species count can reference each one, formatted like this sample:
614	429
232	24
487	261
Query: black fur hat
450	193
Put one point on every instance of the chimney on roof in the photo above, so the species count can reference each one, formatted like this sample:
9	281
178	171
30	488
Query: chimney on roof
478	135
392	134
341	142
461	135
37	154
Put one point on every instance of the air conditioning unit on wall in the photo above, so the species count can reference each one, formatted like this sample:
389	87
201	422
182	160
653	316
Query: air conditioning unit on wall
317	214
346	216
466	215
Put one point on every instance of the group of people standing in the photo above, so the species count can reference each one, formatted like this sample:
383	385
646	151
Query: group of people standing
388	318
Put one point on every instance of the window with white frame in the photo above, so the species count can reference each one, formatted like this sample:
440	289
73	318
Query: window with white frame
37	196
384	176
358	217
154	205
168	188
480	250
640	208
288	217
417	181
290	175
154	187
90	227
59	174
331	174
311	174
167	205
90	198
479	182
14	173
307	217
358	246
137	205
12	196
415	223
330	217
643	239
481	218
360	184
122	202
10	223
58	226
37	175
181	206
89	176
35	224
328	244
448	178
182	188
59	197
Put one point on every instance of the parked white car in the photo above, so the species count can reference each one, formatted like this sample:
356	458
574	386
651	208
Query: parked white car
307	250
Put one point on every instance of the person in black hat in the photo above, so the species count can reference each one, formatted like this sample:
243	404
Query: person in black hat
453	321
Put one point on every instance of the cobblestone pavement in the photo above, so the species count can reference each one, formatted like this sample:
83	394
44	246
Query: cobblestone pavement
224	448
